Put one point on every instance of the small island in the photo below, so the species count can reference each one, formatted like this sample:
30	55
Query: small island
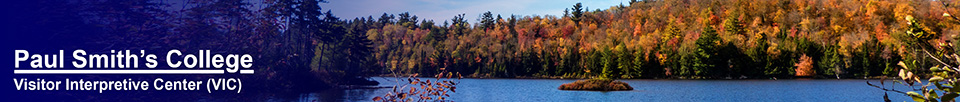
599	84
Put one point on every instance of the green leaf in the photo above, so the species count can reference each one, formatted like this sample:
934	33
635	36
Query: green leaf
936	79
932	95
954	87
916	96
948	97
939	85
909	18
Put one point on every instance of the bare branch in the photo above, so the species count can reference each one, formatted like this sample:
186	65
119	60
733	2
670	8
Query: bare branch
941	62
885	89
956	58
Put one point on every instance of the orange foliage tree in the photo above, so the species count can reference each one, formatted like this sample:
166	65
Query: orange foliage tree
805	66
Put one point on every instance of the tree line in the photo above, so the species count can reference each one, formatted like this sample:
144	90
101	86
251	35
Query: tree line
299	46
650	39
695	39
303	48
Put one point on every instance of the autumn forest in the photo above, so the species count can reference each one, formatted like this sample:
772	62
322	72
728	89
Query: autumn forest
302	47
688	39
673	39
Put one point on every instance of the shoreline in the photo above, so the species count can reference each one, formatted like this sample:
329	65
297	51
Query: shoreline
669	78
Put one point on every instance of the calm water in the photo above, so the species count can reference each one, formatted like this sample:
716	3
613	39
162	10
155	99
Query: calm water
545	90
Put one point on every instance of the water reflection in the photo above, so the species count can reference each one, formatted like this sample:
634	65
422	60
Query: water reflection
341	95
537	90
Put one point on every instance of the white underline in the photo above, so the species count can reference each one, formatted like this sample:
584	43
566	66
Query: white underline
246	71
182	71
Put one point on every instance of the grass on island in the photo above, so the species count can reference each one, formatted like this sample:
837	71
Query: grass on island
600	84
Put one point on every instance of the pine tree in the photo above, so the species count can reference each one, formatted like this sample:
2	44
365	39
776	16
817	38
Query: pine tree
486	20
577	14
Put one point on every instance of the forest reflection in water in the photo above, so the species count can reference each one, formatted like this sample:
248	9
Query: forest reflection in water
540	90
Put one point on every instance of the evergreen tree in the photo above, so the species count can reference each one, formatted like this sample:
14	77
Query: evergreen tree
577	14
707	54
486	20
459	24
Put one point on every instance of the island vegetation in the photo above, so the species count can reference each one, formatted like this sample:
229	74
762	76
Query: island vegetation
597	85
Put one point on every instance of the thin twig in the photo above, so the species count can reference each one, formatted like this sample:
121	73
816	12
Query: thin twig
938	60
944	5
885	89
956	58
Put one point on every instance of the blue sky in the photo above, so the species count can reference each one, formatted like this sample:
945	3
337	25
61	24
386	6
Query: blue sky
441	10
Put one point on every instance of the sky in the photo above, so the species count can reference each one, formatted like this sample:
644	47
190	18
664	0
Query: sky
444	10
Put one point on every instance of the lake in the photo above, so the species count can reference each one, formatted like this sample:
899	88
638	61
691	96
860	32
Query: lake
545	90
